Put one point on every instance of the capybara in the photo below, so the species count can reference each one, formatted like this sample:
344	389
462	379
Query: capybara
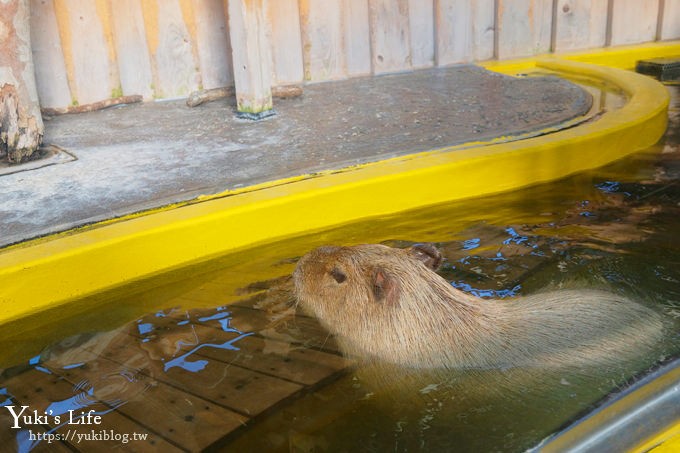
390	305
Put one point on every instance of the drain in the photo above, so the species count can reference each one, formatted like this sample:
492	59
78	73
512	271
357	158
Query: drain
46	155
664	69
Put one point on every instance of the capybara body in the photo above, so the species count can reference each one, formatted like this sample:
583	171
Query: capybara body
388	304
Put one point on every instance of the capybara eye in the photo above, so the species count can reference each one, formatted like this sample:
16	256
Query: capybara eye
338	275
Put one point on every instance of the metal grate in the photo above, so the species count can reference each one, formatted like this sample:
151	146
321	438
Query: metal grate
664	69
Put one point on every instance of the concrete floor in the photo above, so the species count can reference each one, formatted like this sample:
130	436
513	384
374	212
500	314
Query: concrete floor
137	157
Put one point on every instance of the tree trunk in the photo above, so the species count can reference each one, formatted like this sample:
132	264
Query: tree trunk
21	126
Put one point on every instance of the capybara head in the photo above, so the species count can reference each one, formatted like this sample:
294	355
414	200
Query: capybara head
365	276
370	293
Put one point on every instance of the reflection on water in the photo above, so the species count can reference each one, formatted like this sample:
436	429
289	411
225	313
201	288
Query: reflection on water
183	378
224	359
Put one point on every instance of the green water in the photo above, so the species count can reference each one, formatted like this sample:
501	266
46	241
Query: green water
157	361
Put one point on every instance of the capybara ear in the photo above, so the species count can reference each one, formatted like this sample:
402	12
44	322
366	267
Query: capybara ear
428	254
385	287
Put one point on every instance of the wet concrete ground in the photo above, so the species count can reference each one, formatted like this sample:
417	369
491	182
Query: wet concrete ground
142	156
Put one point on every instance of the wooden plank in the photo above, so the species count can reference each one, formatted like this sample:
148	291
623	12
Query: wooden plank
580	24
483	29
20	439
48	57
329	405
284	30
42	392
212	39
132	51
141	351
278	358
187	420
524	27
243	319
123	365
174	353
235	388
670	23
179	376
421	25
251	55
179	331
634	21
301	330
390	35
356	35
322	40
174	57
169	42
465	31
289	327
83	25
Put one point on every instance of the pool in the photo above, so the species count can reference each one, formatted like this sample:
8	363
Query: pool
217	356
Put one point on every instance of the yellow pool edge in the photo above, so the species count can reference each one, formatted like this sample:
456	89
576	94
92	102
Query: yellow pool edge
54	271
667	441
620	57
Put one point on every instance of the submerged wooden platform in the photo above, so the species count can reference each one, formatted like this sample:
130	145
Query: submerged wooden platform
177	380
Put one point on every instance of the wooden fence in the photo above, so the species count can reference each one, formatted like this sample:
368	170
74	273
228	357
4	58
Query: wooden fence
89	50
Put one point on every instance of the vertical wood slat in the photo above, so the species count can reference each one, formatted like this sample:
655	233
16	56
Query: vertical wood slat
283	22
421	23
634	21
132	50
670	20
212	44
86	50
484	29
93	74
322	40
174	69
356	37
580	24
524	27
48	57
390	35
465	30
335	39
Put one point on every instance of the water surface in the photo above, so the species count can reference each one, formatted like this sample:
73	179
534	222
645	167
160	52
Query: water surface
218	356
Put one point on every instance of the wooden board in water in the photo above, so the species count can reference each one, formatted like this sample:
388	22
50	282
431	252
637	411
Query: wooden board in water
39	390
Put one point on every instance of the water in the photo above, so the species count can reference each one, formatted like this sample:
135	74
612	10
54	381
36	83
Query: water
222	360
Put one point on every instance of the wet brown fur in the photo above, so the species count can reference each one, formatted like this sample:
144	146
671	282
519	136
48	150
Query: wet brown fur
388	304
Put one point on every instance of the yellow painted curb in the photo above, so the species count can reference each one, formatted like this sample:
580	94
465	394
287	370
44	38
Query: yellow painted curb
628	421
666	442
50	273
625	57
621	57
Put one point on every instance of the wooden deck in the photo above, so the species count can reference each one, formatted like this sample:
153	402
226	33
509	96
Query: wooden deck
189	380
